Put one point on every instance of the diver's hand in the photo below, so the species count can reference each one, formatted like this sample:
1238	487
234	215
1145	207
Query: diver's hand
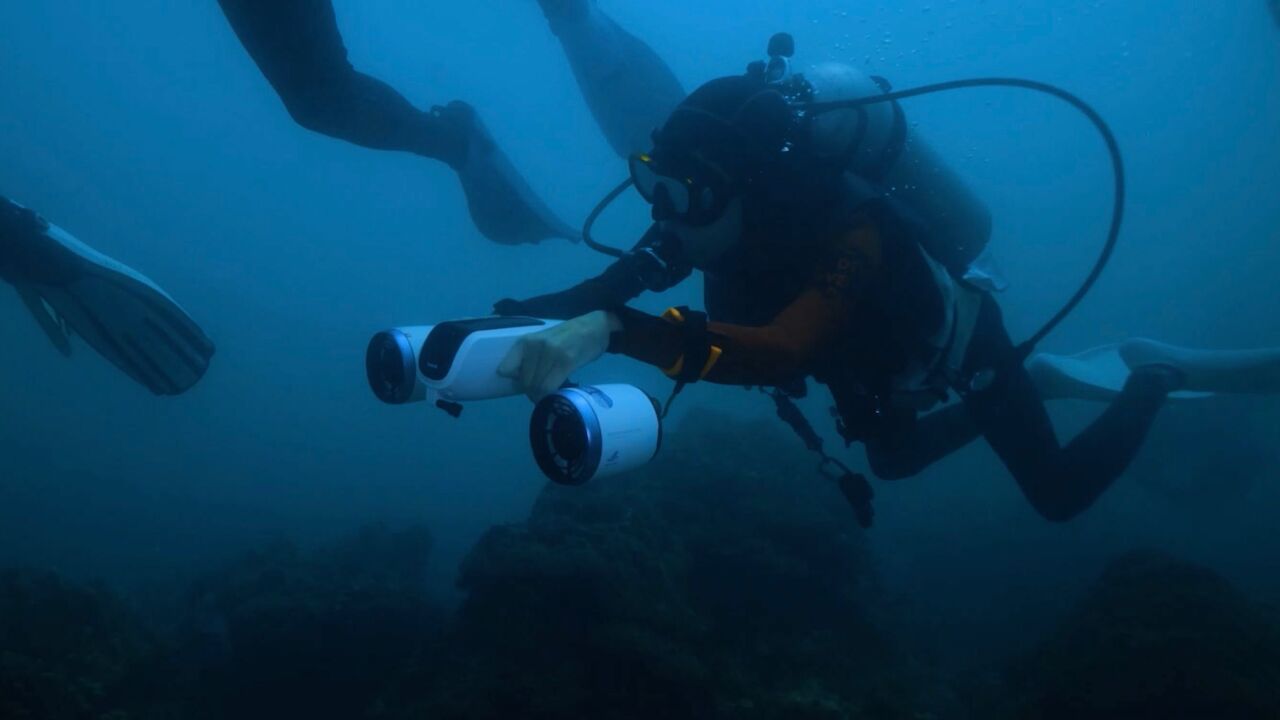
542	361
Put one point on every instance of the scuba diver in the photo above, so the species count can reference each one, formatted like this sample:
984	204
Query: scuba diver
71	288
811	269
297	46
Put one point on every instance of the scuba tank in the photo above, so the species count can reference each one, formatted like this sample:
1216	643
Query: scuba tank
882	154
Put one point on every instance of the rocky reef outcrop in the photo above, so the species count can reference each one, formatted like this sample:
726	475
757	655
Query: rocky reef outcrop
1154	638
282	632
725	580
70	652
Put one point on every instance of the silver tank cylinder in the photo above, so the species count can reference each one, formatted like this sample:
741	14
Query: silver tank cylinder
889	158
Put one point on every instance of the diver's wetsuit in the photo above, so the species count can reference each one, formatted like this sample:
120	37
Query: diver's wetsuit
629	89
848	321
297	45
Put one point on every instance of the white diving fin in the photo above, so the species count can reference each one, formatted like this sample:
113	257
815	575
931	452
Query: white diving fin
52	324
1099	373
71	288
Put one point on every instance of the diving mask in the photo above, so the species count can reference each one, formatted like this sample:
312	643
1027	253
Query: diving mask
697	196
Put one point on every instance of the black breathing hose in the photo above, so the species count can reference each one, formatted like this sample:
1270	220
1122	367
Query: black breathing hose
1113	148
595	215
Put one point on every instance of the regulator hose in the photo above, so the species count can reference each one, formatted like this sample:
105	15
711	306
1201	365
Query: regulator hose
1113	149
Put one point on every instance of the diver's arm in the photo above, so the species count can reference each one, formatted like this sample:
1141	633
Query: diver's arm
765	355
617	285
737	354
645	267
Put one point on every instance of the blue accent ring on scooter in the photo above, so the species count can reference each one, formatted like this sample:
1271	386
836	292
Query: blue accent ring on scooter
564	433
392	367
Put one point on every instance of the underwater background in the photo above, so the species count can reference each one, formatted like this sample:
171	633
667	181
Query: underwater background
277	543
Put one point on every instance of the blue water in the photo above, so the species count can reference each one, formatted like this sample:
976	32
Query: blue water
145	129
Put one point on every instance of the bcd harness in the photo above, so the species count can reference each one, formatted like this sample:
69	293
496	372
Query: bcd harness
699	355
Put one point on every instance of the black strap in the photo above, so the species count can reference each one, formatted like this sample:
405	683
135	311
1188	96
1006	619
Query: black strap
697	345
854	486
694	355
851	151
896	142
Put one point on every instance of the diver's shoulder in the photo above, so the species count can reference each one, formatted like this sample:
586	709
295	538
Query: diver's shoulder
860	208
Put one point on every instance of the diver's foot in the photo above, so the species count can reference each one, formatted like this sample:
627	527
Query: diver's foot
565	10
1250	372
503	206
1159	378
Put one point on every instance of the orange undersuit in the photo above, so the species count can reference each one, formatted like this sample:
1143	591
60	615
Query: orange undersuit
783	349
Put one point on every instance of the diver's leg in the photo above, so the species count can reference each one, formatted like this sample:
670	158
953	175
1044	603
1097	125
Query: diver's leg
629	89
894	455
1060	482
297	45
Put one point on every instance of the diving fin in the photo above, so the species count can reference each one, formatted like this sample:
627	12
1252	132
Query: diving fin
1100	373
121	313
1239	372
503	206
50	322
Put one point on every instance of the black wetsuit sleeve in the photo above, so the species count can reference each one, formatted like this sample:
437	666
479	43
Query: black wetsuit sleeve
297	46
613	287
624	280
772	354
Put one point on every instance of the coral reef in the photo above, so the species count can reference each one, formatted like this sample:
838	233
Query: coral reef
68	652
725	580
277	633
283	633
1154	638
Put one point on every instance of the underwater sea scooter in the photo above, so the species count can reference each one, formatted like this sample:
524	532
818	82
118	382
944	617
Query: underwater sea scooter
577	433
